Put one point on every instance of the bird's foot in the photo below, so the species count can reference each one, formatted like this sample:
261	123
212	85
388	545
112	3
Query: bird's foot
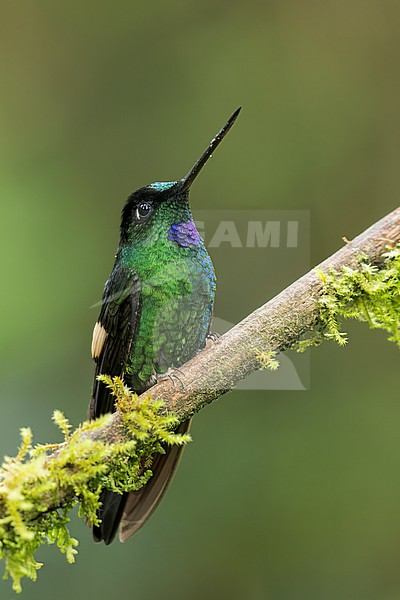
171	374
212	338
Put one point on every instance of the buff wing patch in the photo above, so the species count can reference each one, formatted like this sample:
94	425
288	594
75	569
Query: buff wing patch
99	337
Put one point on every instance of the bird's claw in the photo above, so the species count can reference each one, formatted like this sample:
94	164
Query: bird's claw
213	338
172	376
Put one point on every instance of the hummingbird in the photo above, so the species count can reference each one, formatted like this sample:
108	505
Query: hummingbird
156	314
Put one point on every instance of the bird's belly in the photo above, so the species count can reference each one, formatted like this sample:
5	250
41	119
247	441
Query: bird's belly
173	326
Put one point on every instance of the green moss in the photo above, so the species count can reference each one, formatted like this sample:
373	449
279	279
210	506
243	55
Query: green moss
267	360
369	293
75	471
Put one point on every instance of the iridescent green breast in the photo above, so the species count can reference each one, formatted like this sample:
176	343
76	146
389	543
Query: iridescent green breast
177	298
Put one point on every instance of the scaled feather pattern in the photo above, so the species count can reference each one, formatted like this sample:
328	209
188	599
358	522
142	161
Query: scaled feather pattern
184	234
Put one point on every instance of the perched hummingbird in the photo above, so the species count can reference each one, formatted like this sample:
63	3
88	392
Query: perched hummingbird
156	314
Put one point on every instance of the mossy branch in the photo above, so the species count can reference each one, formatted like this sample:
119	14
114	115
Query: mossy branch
40	485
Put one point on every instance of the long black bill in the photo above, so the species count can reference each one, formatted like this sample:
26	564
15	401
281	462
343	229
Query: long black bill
187	181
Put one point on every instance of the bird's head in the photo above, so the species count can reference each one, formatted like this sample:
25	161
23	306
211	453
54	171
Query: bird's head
162	205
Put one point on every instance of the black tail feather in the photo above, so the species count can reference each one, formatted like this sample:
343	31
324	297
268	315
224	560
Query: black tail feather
110	513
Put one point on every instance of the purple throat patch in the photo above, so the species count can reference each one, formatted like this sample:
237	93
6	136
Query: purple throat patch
184	234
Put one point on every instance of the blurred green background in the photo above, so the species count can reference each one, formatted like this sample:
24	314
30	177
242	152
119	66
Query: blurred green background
284	495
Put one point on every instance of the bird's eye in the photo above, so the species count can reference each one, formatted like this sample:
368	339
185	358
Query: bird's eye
143	210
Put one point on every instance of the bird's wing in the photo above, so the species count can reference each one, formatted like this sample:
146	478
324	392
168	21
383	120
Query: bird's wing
113	333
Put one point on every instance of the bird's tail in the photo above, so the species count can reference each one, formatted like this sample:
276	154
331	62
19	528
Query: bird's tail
110	513
131	510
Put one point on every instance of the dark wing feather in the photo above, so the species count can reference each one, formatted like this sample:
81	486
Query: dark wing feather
119	316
